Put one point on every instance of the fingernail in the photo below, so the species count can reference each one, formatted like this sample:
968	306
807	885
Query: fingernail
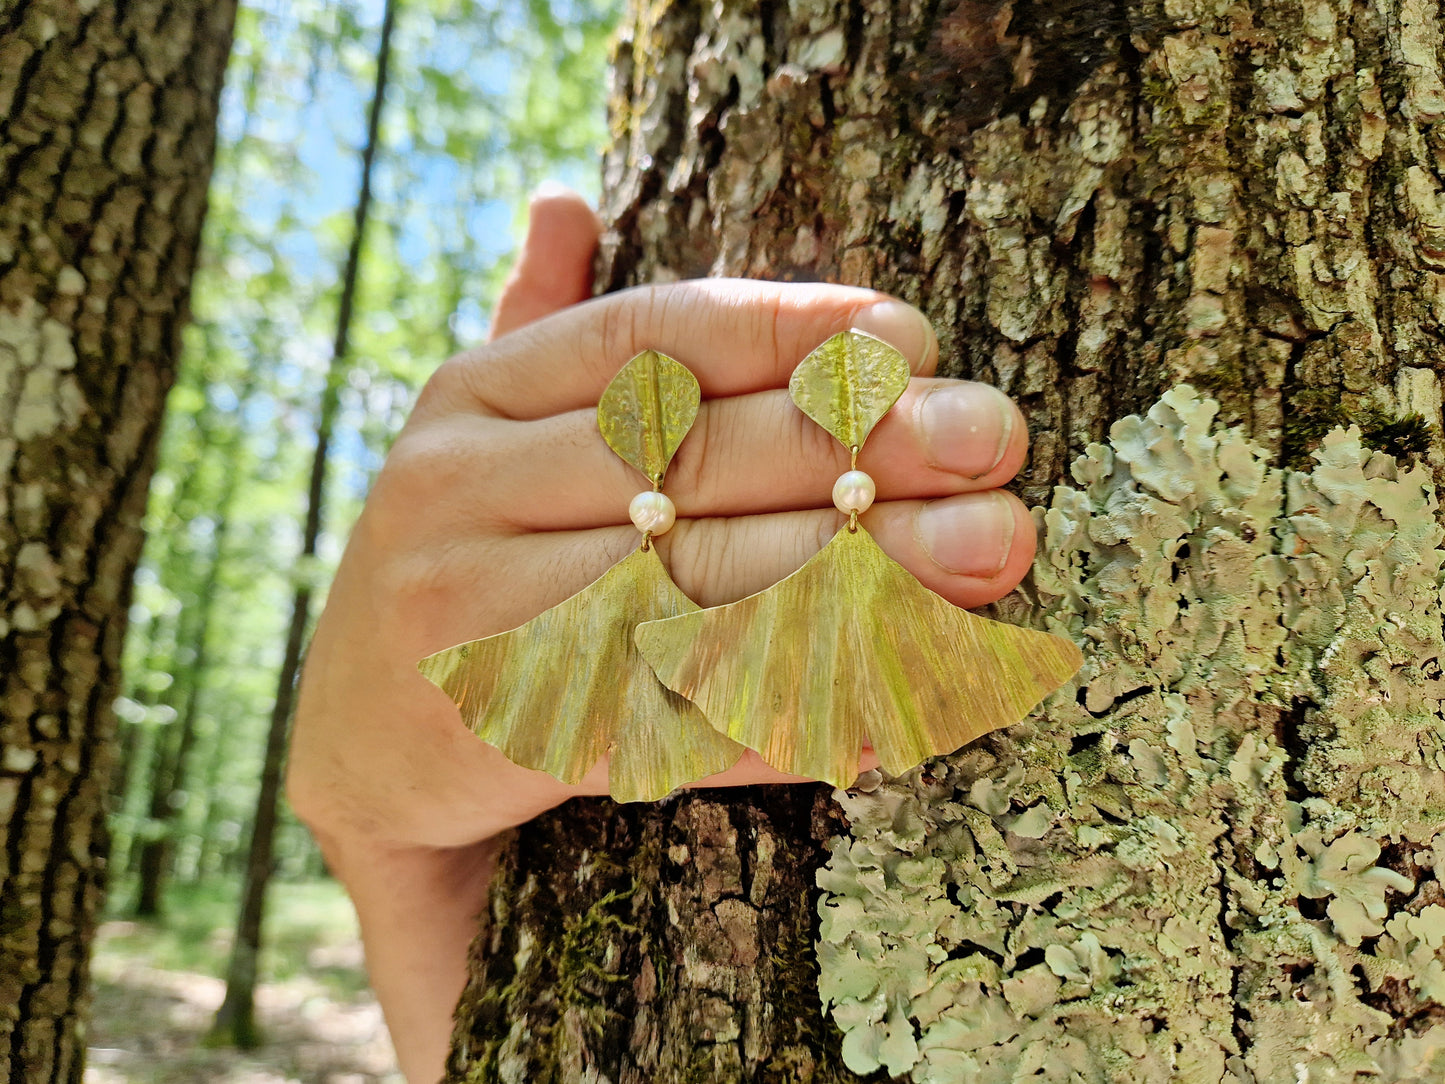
966	427
901	326
971	535
550	189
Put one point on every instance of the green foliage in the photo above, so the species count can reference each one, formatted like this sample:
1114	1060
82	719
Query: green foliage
486	101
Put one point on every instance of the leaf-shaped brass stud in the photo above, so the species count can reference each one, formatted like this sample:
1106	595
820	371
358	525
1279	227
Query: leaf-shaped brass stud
646	411
847	384
561	690
851	644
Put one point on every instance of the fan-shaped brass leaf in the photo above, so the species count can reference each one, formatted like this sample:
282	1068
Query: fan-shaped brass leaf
646	411
851	644
557	692
848	383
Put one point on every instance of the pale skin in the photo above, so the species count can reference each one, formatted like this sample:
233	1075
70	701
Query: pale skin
499	499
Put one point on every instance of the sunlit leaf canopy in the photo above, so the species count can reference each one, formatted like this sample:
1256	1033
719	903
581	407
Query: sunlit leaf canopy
486	100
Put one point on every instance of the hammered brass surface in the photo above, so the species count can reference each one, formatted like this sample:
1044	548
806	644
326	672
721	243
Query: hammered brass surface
557	692
848	383
851	645
646	411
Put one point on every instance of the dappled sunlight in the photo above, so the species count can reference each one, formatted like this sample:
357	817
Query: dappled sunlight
320	1025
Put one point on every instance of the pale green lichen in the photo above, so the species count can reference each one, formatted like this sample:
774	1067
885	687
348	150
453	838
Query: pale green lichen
1212	857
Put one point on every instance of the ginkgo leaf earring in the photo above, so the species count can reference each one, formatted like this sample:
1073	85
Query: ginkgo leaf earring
851	644
569	685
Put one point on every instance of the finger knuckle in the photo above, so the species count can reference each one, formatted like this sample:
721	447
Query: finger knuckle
429	471
472	381
441	389
626	326
417	582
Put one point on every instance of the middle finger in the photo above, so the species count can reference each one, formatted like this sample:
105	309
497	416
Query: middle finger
751	454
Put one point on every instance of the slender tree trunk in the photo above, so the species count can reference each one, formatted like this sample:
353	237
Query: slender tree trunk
142	743
169	783
1214	858
137	740
107	121
196	578
235	1020
214	856
174	655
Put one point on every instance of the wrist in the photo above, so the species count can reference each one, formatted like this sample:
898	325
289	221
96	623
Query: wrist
419	908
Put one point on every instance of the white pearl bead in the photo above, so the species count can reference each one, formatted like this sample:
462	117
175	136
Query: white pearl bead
652	512
853	492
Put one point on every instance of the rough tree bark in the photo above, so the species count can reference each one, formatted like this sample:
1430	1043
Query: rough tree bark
107	123
1214	857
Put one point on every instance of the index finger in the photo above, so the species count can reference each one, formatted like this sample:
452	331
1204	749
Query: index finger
736	335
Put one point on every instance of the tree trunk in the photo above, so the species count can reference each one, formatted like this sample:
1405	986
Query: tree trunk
170	782
235	1019
107	120
216	852
1213	857
152	849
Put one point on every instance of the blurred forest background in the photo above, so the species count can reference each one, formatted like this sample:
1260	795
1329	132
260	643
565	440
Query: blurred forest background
343	260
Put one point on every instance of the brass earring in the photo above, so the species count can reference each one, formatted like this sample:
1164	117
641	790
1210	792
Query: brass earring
851	644
568	686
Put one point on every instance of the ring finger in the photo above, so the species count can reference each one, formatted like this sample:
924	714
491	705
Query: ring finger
745	455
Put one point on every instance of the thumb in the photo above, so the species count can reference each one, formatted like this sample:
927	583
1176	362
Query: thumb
554	268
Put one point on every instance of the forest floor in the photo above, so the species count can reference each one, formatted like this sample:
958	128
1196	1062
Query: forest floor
155	992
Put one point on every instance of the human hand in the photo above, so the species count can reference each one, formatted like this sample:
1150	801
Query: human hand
499	500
